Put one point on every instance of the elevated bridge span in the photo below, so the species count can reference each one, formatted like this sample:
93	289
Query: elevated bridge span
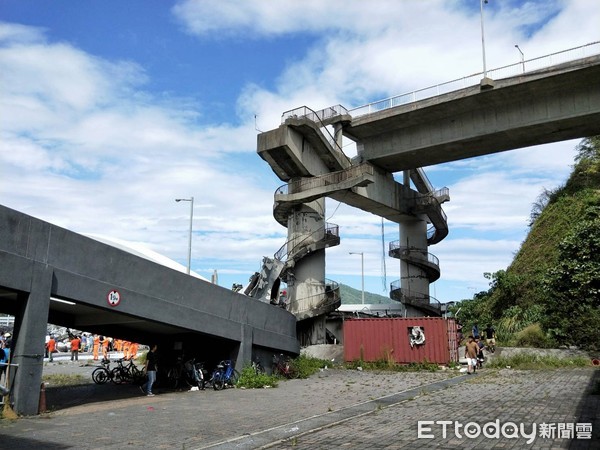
548	105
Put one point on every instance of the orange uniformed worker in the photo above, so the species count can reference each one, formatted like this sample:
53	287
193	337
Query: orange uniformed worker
126	345
104	341
133	350
51	348
75	343
96	346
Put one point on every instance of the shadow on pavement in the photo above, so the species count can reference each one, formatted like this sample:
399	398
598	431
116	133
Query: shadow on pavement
588	411
24	443
61	397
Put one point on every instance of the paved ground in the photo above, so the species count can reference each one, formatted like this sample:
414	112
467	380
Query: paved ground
331	410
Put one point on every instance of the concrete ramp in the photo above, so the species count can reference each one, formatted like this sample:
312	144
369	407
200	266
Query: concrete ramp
50	274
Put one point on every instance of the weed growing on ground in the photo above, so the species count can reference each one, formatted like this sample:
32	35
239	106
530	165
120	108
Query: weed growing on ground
305	366
386	364
251	380
526	361
63	379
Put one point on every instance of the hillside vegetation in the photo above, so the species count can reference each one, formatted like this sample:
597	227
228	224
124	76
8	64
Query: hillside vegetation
351	296
550	294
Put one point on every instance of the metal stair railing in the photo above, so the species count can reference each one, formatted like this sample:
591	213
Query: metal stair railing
307	183
322	116
315	116
395	247
417	299
329	228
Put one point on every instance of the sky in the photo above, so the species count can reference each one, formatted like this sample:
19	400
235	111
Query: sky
111	110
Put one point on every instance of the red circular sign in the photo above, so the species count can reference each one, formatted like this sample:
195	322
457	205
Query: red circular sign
113	298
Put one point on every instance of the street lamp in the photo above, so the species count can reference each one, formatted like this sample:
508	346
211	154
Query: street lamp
481	2
522	57
191	200
362	272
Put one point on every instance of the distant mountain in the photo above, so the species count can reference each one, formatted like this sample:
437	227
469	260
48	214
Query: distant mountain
351	296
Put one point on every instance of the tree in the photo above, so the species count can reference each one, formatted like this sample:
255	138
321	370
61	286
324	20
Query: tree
573	286
542	200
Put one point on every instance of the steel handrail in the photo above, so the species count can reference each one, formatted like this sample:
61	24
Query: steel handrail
304	112
330	228
472	80
395	246
413	297
307	183
315	116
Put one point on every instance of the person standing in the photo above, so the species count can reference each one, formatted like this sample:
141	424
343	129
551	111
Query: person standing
104	343
96	346
133	349
3	364
75	343
471	351
150	369
490	338
51	346
4	358
475	332
126	345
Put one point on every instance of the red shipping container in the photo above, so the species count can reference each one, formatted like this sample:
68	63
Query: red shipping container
403	340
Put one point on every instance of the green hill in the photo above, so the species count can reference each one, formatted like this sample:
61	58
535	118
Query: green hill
351	296
550	294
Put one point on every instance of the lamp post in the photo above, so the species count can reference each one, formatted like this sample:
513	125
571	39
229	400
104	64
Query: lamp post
522	56
362	273
481	2
191	200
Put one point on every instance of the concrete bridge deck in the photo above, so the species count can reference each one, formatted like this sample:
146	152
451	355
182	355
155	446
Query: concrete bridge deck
548	105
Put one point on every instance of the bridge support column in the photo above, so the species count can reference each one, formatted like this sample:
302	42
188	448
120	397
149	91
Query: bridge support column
30	337
244	356
308	286
413	280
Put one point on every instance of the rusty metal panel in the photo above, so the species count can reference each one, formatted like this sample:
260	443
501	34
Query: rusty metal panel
390	339
453	341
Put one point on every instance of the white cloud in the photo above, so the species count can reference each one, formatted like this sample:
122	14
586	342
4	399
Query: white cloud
87	146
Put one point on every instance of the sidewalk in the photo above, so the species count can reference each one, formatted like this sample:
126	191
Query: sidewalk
331	410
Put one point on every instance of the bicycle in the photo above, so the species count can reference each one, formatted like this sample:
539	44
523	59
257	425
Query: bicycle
195	374
282	365
186	374
102	374
224	375
129	373
120	374
137	375
257	366
175	374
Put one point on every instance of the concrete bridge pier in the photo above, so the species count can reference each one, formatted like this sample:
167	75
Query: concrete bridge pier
28	353
413	279
306	288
